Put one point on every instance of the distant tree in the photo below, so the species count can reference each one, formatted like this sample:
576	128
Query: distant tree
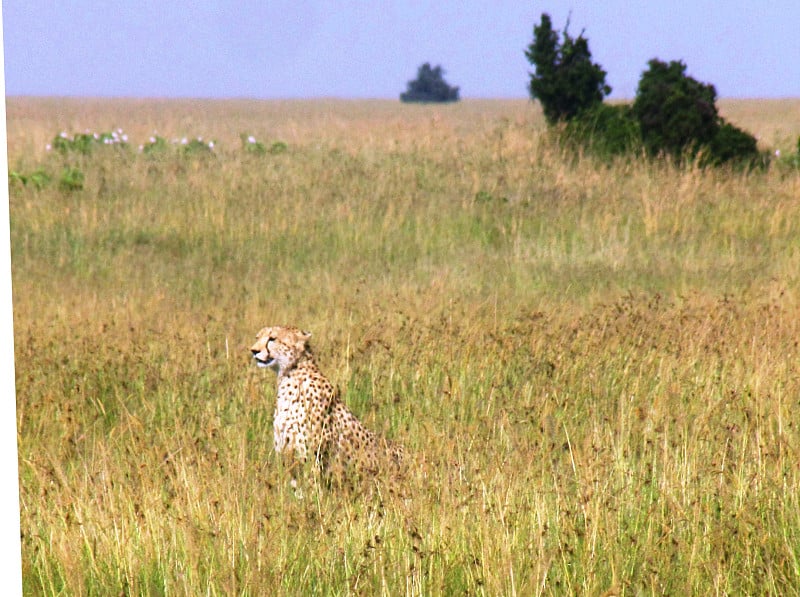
429	86
566	81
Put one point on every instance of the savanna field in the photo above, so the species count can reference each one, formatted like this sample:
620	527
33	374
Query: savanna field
593	367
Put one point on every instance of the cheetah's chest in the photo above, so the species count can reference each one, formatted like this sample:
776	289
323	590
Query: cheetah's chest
289	418
300	419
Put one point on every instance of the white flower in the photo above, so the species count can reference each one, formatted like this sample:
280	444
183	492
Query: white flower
152	139
184	141
63	134
777	153
211	145
124	138
48	147
96	136
251	139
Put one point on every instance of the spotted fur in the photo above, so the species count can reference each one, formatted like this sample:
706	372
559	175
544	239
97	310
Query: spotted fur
310	420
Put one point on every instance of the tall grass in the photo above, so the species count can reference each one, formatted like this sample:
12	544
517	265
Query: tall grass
593	368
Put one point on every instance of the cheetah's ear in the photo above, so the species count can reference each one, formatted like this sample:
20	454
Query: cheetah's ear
302	339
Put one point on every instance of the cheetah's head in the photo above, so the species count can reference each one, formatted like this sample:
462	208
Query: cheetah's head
279	347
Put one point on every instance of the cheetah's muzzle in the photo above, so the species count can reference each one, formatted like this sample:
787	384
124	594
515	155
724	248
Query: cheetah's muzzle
261	362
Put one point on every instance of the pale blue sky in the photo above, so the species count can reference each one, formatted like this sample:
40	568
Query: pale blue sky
357	49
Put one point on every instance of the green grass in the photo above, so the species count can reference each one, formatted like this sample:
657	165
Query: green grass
592	367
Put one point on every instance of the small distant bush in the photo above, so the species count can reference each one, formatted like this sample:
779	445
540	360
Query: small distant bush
566	81
194	147
251	145
71	180
38	178
85	143
14	176
429	86
155	145
278	147
790	160
487	197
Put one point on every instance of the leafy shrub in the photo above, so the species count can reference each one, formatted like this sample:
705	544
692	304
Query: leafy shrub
197	146
732	144
676	113
155	145
14	176
429	86
71	180
487	197
250	145
85	143
566	82
790	160
38	178
605	130
278	147
254	147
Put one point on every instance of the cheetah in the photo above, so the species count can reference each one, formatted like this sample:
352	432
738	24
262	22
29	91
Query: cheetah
310	419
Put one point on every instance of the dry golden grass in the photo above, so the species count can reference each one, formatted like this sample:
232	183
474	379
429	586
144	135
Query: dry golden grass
775	123
593	368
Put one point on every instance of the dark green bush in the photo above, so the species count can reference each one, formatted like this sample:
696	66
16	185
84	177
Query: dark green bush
605	130
678	116
429	86
676	113
732	144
